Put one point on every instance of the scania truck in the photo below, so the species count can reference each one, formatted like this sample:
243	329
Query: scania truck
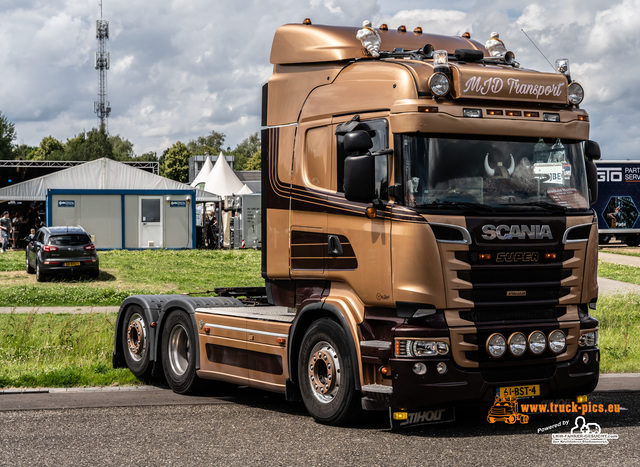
428	239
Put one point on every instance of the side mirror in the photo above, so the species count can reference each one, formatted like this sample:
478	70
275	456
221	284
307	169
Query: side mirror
592	150
359	178
592	180
357	142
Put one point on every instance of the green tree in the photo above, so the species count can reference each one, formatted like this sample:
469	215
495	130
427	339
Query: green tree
203	144
49	149
175	163
146	157
244	151
254	162
7	135
99	144
122	148
88	146
23	152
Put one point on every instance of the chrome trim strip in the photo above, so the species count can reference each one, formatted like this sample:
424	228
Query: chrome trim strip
253	331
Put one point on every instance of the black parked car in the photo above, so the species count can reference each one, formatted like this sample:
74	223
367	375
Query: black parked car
67	250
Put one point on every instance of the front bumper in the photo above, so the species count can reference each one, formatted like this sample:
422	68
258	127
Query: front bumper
565	379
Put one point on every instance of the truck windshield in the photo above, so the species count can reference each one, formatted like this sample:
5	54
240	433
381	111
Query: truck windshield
497	174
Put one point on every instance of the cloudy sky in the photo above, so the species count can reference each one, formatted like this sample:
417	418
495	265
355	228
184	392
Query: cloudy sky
182	68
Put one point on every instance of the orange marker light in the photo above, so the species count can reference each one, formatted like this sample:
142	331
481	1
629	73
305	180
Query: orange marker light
371	212
281	340
550	255
484	256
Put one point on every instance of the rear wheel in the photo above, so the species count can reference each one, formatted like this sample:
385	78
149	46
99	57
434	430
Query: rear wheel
179	352
40	276
135	341
30	270
632	240
325	373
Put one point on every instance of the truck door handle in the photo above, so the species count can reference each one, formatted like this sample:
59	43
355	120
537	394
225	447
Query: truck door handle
335	247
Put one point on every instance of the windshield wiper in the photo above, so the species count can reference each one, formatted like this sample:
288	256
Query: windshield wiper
457	204
540	204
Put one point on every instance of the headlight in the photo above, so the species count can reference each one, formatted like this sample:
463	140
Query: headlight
576	93
424	349
517	344
537	342
420	348
439	84
589	339
557	341
496	345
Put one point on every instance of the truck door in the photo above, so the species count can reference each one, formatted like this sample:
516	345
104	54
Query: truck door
359	249
311	178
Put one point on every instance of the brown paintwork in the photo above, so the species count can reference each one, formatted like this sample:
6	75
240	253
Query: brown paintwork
296	43
322	78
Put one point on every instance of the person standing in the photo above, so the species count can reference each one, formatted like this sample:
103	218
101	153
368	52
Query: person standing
5	230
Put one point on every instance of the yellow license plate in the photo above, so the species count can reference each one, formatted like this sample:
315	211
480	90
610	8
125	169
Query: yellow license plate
75	263
519	391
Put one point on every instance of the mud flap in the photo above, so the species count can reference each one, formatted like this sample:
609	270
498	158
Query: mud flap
401	419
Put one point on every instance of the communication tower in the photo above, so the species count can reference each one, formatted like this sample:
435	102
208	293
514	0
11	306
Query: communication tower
102	107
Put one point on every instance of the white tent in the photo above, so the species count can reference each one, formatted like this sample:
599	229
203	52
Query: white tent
201	178
101	174
245	190
222	181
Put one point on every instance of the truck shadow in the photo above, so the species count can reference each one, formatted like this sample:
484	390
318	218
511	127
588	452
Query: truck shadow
471	420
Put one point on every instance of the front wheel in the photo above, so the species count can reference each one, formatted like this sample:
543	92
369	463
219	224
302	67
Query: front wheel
179	352
135	341
326	374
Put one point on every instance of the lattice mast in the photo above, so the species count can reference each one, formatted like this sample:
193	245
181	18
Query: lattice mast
102	107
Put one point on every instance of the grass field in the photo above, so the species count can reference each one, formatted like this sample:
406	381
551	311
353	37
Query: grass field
124	273
47	350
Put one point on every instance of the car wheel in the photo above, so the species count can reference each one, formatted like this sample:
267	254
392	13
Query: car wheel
325	374
40	276
179	352
30	270
136	341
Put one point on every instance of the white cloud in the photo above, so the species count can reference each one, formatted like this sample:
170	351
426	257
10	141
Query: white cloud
182	68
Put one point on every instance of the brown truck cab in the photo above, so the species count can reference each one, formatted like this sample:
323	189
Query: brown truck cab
428	237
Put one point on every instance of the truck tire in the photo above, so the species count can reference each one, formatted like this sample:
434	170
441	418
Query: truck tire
136	341
632	240
179	352
325	374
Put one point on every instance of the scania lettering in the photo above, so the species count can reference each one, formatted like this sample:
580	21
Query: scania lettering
508	232
427	237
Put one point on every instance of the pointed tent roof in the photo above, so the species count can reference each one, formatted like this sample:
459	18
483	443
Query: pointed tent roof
245	190
206	169
100	174
222	181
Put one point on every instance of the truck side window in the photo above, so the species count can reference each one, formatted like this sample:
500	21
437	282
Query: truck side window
380	136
